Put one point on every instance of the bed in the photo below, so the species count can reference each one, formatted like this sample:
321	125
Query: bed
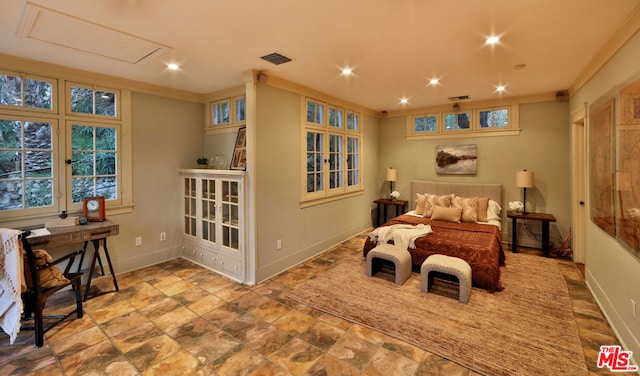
479	244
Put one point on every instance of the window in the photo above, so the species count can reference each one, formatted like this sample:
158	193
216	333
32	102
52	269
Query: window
494	118
315	112
332	151
26	91
220	111
239	104
26	164
226	114
50	160
94	162
494	121
425	124
457	121
87	100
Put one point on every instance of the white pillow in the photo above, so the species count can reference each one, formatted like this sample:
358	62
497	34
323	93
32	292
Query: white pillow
493	211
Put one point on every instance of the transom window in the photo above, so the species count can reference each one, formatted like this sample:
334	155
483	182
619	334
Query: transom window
332	150
226	113
494	118
457	121
496	121
88	100
27	91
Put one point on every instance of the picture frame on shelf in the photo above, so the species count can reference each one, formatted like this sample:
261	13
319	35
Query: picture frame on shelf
239	159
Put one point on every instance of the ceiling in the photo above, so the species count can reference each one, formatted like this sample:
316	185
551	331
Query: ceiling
393	46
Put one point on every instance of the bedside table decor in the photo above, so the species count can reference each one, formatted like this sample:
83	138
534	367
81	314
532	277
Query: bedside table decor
524	180
391	176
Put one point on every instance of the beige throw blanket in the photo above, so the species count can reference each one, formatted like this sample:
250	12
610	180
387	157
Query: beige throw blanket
11	277
404	236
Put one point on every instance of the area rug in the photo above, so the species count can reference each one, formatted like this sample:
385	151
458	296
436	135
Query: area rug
527	329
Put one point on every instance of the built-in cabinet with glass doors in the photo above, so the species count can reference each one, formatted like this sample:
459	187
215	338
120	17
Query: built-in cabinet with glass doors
213	216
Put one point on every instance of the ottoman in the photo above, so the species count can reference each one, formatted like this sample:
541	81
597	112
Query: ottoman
401	259
453	266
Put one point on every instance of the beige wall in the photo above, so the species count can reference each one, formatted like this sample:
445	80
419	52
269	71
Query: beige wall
304	232
541	147
167	136
613	273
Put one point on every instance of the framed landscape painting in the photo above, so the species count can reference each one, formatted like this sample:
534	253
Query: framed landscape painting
457	159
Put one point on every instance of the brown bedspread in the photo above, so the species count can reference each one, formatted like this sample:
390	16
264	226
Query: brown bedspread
479	245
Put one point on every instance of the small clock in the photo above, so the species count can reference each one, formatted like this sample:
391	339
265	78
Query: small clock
93	208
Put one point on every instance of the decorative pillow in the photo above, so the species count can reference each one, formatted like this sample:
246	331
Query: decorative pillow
420	201
441	213
483	206
49	277
493	212
435	200
469	206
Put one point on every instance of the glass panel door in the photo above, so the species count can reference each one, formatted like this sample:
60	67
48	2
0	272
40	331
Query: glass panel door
230	215
208	200
190	206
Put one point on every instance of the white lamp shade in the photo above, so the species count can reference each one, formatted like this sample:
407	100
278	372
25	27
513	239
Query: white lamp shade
524	179
392	174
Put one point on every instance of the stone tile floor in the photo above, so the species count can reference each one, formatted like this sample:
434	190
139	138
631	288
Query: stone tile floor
177	318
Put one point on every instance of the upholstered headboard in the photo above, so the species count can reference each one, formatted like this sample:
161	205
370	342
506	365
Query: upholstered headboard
493	191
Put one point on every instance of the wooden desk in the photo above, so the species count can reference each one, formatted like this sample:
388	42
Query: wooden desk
545	218
94	232
383	204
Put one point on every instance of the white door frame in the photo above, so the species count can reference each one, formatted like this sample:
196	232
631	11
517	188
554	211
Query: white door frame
578	182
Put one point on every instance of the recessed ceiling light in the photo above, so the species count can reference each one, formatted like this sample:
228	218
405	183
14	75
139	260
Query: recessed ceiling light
434	81
492	40
347	71
500	88
404	100
173	66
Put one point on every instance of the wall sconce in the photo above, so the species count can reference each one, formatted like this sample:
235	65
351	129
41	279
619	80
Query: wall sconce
524	180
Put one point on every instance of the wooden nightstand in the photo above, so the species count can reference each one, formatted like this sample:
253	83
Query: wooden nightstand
384	203
545	218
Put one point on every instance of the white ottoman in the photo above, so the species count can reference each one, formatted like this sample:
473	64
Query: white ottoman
401	259
454	266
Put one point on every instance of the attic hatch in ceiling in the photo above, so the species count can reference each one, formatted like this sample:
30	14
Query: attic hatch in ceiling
275	58
50	26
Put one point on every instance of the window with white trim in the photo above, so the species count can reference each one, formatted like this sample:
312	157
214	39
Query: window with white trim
50	160
332	150
492	121
227	112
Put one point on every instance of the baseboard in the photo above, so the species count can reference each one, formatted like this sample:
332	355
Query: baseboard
617	324
146	259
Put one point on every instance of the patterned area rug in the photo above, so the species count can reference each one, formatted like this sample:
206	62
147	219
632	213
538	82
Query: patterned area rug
527	329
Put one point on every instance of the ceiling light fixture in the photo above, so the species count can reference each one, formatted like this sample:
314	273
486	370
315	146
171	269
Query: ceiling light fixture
500	88
404	100
173	66
492	40
347	71
434	81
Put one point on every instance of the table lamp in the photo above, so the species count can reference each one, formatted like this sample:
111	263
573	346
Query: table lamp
392	175
524	180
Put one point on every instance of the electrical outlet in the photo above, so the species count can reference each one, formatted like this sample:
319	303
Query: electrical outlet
163	236
634	312
279	244
138	241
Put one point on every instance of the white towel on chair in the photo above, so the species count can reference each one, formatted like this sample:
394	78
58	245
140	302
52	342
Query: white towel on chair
11	276
404	236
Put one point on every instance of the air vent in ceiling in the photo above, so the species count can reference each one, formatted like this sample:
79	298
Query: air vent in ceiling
460	98
276	58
